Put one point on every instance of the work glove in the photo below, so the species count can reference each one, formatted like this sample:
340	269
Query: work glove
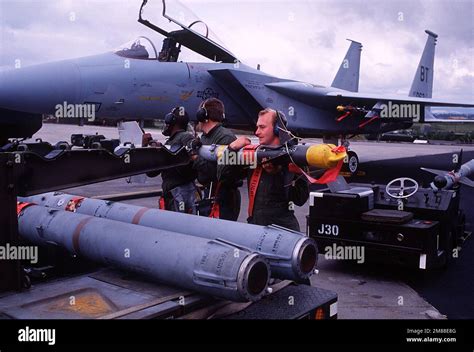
193	146
148	141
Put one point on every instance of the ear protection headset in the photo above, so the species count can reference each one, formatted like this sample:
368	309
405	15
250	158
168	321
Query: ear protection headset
175	117
280	122
202	114
170	118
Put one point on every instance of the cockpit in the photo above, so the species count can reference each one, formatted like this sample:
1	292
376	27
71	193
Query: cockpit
195	36
141	48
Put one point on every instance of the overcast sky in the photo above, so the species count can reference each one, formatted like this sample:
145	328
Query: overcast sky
302	40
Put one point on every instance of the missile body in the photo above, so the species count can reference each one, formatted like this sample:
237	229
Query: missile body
206	266
291	255
448	179
322	156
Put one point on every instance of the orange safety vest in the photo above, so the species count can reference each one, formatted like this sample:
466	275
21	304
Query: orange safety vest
162	203
328	176
215	210
253	186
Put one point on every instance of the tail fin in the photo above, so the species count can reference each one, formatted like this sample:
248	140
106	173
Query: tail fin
130	132
465	181
347	77
422	85
435	171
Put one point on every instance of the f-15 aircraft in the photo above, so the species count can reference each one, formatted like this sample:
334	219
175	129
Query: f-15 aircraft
139	83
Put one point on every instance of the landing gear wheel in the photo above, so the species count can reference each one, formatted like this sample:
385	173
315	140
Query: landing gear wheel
351	164
26	281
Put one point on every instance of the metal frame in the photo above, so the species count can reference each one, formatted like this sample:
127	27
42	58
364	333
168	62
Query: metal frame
24	173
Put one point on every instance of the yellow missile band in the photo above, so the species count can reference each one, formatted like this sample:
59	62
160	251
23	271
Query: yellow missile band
220	151
323	157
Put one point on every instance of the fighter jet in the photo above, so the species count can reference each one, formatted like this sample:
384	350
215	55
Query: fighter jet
137	83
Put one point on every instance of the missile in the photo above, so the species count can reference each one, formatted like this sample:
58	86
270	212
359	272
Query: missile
323	156
291	255
448	179
345	108
207	266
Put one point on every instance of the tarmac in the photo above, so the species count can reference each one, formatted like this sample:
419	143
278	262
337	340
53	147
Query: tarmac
365	291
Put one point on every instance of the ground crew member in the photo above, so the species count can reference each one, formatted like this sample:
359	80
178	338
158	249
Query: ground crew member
221	197
179	190
273	189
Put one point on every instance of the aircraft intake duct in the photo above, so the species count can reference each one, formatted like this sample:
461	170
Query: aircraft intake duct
207	266
291	255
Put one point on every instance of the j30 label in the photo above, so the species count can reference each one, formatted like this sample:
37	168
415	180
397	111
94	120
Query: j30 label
332	230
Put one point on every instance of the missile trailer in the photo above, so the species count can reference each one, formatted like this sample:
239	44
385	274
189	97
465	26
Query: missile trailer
65	284
399	223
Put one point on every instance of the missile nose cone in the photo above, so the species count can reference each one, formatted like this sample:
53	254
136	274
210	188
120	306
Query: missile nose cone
39	88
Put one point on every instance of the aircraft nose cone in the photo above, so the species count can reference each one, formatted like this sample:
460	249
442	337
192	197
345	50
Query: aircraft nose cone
39	88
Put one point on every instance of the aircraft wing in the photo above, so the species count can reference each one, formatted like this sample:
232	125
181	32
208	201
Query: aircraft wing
321	96
232	82
372	104
368	99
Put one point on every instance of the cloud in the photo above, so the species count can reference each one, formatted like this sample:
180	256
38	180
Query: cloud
302	40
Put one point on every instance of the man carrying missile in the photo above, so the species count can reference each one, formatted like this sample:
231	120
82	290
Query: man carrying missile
273	190
221	198
179	190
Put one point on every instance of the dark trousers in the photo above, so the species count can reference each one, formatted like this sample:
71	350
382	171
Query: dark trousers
274	216
229	203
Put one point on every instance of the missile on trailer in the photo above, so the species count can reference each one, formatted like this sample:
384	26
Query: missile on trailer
291	255
323	156
447	179
206	266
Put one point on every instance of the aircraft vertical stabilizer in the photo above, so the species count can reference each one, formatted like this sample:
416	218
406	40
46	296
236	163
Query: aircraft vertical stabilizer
347	77
422	86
